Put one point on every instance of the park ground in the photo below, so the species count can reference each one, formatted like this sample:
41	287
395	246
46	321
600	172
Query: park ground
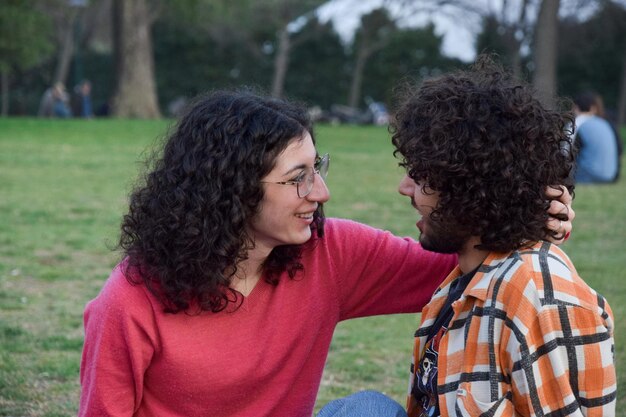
63	190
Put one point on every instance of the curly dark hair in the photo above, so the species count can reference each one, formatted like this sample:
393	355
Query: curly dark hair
483	141
185	232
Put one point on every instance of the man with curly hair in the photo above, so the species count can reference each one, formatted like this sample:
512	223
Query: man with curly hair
513	330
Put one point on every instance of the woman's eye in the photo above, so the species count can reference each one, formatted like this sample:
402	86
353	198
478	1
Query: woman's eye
300	177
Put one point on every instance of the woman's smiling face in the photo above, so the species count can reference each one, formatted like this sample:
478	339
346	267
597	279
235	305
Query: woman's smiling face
284	218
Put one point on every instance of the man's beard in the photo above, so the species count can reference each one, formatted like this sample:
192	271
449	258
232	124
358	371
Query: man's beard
438	238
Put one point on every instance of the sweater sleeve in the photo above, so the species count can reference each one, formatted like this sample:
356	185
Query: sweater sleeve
379	273
120	340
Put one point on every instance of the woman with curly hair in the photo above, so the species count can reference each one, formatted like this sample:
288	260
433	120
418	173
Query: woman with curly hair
513	330
233	281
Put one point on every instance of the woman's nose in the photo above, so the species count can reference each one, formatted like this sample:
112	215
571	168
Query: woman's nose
320	191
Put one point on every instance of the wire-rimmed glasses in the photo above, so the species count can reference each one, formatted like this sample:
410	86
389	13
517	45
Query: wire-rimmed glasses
304	182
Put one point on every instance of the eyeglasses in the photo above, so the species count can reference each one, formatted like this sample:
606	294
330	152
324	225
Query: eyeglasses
305	180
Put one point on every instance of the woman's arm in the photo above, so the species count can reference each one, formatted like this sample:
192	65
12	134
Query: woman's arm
120	341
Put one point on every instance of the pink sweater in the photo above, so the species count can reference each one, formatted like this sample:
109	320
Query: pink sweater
264	359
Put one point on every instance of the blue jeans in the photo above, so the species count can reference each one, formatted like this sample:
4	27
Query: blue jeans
363	404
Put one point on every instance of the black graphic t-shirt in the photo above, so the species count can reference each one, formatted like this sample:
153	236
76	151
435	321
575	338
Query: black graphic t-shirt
425	384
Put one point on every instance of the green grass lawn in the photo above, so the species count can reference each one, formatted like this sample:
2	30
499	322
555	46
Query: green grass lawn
63	188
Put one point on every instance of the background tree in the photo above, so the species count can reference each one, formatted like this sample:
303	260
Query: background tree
135	92
191	62
545	50
287	17
621	104
73	22
590	37
375	33
65	19
319	72
505	32
269	28
591	54
410	55
24	33
205	44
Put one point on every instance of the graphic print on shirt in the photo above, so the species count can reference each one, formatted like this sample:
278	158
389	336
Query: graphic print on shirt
425	387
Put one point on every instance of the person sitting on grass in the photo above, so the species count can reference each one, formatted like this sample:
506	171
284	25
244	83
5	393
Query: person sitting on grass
513	330
597	144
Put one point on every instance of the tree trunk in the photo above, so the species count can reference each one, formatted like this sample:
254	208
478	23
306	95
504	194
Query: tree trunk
4	91
135	92
357	77
281	63
66	52
621	107
546	40
516	59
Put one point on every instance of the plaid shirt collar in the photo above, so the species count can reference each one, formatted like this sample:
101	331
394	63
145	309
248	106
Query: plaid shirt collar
478	287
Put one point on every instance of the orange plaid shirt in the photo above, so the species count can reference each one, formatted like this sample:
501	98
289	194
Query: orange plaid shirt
528	337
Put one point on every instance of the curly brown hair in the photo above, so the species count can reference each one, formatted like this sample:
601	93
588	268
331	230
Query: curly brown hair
483	141
185	232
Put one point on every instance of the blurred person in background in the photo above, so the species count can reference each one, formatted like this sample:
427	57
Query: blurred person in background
596	142
55	102
232	280
81	100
